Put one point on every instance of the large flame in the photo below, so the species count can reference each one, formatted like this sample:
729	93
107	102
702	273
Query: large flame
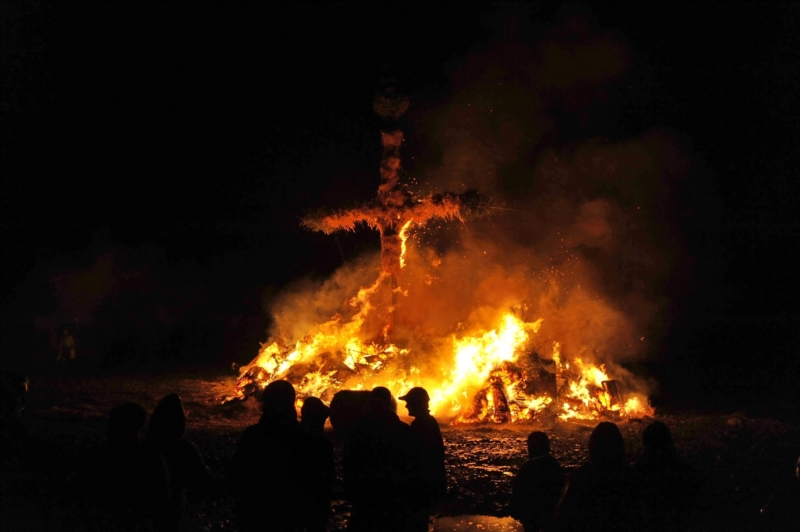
485	375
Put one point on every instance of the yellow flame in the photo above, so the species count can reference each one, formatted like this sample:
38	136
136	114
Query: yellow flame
480	380
476	356
403	237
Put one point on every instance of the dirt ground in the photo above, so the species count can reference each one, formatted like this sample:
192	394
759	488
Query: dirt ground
741	459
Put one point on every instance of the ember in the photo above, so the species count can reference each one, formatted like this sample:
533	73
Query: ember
493	368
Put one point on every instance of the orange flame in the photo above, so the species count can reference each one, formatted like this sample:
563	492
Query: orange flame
482	379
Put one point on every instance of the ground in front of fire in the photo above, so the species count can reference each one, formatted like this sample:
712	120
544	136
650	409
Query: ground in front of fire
741	456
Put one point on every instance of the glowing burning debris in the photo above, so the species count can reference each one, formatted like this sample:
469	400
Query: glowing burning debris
474	359
591	393
485	378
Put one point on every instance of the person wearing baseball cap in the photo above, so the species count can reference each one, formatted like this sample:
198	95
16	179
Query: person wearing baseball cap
429	448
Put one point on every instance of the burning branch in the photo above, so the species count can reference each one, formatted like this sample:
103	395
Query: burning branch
376	216
395	209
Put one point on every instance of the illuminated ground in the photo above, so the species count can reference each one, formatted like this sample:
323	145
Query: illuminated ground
740	458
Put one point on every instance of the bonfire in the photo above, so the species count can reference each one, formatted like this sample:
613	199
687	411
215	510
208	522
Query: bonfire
497	371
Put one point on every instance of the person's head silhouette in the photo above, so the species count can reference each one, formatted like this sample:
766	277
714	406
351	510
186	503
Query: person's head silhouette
657	440
380	400
277	401
606	445
417	401
168	422
314	413
538	444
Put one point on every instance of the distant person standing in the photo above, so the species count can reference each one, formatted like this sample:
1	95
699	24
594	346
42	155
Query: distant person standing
66	347
428	446
537	486
14	435
13	395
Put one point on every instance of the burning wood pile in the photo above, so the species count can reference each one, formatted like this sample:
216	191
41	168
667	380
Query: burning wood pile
488	370
495	376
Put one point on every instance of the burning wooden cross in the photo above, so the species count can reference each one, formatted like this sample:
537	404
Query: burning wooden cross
395	209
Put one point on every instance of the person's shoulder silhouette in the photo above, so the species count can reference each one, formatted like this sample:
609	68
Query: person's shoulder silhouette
320	462
668	486
133	481
379	465
537	487
189	475
270	470
430	477
600	494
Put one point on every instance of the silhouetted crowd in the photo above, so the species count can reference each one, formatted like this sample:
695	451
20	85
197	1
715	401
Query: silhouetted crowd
605	493
283	471
145	483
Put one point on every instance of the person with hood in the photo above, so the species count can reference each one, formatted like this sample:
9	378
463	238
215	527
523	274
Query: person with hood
537	486
378	468
271	472
131	482
313	415
66	347
600	494
428	447
189	476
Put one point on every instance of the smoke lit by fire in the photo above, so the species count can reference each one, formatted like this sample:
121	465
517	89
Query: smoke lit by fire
529	312
493	365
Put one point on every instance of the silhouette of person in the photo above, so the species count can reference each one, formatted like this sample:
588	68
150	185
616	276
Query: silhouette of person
428	446
313	415
133	487
66	347
600	493
14	438
782	511
188	473
668	485
271	472
537	486
25	459
13	395
312	420
378	467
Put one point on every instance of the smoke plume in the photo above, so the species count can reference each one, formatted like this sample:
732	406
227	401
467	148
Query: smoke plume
582	234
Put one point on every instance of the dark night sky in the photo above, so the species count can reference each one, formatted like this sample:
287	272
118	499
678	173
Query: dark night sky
193	136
